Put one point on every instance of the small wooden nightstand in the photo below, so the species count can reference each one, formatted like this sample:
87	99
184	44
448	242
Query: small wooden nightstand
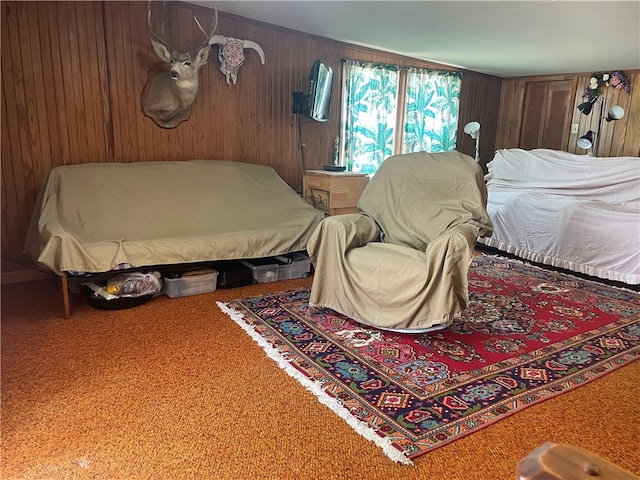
334	193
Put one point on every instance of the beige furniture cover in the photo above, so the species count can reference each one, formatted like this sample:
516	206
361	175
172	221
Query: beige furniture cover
95	217
403	262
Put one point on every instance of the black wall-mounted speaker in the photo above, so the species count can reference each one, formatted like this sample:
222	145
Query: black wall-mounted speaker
299	101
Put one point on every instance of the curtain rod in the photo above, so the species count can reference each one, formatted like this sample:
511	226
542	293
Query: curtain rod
453	72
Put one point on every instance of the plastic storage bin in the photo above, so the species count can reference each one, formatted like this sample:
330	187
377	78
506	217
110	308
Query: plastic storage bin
233	274
294	265
191	283
265	270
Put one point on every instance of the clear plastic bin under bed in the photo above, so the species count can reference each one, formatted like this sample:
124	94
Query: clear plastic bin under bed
191	283
281	267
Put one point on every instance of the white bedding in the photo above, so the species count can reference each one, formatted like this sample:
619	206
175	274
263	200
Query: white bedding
571	211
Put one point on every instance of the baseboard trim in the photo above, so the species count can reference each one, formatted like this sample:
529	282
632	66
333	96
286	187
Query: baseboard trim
20	276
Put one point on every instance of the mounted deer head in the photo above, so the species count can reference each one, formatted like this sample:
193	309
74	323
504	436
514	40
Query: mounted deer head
172	86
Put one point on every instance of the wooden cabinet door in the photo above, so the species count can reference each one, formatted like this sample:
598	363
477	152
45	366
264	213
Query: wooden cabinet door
546	115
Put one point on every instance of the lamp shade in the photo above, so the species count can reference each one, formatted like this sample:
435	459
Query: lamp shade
585	108
615	113
472	128
586	141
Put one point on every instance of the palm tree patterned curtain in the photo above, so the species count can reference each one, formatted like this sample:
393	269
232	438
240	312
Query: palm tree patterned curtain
431	111
370	110
371	92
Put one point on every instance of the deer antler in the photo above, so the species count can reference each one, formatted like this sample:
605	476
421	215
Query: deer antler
157	38
212	28
153	34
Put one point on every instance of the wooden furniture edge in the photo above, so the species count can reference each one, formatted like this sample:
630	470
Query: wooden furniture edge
65	295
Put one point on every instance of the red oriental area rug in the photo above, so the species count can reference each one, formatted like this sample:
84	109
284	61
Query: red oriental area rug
529	334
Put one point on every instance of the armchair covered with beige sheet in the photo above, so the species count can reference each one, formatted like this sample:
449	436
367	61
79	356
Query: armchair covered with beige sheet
402	263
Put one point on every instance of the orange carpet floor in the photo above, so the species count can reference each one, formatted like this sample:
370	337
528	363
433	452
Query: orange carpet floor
174	389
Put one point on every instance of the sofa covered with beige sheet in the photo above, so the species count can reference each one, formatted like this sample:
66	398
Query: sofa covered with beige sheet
98	217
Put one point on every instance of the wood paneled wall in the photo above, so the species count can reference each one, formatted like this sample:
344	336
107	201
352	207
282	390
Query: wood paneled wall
479	102
73	72
619	138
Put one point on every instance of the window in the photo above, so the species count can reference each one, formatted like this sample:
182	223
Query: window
387	110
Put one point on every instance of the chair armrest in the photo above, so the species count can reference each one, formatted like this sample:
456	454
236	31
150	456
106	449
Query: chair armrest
341	233
452	253
456	242
469	231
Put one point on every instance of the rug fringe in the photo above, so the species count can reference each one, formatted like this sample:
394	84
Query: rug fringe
316	388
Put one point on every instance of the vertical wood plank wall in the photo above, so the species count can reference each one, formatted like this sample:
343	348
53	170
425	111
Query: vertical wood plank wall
619	138
72	74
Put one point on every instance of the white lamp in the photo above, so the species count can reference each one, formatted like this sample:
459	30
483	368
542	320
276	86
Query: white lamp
615	113
586	141
473	129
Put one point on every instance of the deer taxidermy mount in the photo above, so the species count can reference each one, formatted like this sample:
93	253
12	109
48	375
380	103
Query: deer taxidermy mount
172	85
231	54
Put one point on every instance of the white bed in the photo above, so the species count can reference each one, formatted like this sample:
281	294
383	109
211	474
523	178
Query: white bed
575	212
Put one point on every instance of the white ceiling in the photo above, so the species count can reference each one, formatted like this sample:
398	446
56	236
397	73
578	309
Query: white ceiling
502	38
